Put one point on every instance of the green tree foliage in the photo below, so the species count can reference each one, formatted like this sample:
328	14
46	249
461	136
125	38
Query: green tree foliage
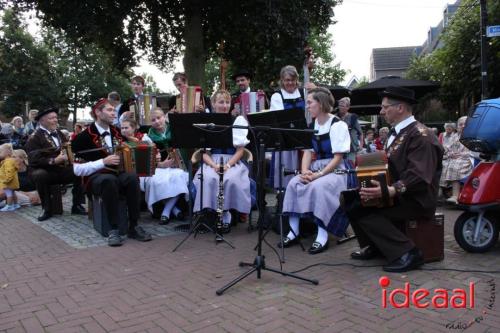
325	71
457	65
25	73
262	34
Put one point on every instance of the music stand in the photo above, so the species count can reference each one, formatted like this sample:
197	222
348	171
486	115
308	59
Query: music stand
186	135
259	262
287	139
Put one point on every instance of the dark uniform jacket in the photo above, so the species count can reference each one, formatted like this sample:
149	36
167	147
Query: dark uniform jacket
415	158
91	139
41	149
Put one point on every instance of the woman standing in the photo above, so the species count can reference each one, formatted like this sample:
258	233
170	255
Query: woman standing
236	178
169	181
316	191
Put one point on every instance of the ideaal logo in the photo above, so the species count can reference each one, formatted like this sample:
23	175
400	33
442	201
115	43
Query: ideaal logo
439	298
423	298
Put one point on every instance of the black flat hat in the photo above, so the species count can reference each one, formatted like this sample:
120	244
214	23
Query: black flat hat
242	72
46	111
399	94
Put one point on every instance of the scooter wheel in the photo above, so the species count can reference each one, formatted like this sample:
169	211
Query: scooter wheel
465	228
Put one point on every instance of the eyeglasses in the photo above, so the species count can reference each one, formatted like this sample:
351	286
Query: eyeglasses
386	106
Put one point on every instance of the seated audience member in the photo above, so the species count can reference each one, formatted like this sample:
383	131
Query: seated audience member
9	182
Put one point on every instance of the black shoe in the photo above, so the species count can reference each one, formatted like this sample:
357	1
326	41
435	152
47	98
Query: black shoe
114	238
164	220
225	229
316	248
78	210
408	261
366	253
287	242
138	233
45	215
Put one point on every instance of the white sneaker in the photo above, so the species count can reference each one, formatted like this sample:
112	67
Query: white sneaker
8	208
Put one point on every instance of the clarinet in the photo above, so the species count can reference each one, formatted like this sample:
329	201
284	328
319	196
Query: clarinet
220	196
288	172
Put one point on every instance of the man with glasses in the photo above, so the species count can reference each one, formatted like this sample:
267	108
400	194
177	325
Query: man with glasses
414	159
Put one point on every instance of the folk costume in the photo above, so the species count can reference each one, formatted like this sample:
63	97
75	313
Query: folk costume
166	183
42	148
320	198
283	100
236	178
107	182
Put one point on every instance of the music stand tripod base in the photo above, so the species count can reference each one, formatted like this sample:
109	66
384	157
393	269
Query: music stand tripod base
259	263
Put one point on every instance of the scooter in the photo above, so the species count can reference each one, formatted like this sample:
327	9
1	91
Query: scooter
476	229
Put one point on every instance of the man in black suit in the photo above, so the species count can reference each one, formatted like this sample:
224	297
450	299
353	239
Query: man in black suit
414	159
98	168
49	163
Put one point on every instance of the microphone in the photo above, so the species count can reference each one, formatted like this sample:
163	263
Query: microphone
209	125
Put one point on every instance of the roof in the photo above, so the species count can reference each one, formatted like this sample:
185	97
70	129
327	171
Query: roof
392	57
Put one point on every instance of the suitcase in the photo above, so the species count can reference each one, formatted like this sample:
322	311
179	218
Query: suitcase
428	236
99	217
56	206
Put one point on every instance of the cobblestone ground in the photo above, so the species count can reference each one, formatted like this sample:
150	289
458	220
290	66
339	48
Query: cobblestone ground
58	276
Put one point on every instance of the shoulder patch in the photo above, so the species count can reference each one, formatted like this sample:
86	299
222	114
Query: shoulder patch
422	129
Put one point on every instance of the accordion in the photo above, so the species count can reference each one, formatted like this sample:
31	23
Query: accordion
189	100
139	158
142	108
251	102
373	166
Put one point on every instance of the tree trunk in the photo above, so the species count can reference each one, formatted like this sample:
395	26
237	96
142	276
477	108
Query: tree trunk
194	56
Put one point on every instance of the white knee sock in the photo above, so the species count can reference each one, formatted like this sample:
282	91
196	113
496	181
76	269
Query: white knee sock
294	225
322	236
176	210
168	206
226	217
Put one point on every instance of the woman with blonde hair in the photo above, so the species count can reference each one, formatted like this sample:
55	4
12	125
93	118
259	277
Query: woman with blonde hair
236	178
169	181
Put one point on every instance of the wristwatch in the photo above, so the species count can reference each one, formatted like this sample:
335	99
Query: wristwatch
400	187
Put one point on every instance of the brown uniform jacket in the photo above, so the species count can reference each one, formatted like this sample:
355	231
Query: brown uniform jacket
415	158
41	148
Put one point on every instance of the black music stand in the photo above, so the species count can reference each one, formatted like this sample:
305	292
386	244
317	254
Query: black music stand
185	134
262	135
279	141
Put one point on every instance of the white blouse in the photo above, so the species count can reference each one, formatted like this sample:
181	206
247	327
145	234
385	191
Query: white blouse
339	134
277	101
240	134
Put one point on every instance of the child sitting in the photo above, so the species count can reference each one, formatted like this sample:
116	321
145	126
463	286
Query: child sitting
9	181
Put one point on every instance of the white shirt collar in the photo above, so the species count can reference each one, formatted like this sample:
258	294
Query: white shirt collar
46	130
399	127
100	129
247	90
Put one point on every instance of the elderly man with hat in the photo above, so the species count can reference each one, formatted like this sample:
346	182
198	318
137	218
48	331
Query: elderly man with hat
97	164
49	164
414	160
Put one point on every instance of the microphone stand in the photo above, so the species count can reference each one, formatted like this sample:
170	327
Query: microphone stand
259	264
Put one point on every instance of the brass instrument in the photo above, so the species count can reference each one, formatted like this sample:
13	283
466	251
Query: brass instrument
220	196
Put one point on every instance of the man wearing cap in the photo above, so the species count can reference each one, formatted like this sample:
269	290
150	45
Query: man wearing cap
49	164
96	162
414	159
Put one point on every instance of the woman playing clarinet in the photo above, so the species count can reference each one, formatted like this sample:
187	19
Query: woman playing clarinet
236	180
315	192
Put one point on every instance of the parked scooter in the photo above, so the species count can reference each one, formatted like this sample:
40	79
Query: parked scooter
476	230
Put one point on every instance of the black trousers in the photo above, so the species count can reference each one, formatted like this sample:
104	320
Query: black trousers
109	187
44	178
381	227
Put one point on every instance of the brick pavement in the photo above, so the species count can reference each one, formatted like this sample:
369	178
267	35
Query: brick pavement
48	284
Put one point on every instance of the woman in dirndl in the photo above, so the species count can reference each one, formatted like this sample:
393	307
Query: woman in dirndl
315	192
169	182
235	179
